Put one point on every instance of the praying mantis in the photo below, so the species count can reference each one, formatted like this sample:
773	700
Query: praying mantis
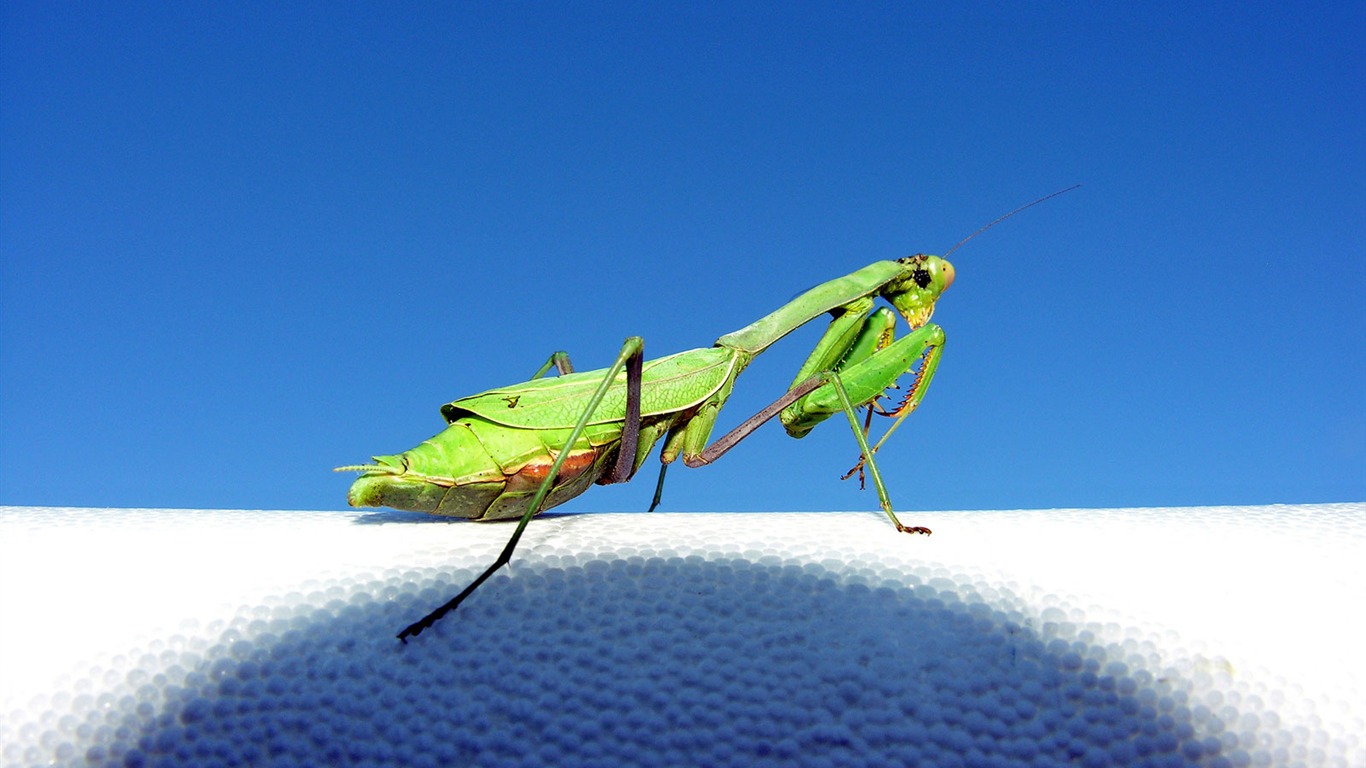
513	452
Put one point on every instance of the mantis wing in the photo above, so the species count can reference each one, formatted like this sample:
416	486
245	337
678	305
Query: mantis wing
668	384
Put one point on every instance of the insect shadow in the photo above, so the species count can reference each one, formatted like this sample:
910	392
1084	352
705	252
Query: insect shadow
678	661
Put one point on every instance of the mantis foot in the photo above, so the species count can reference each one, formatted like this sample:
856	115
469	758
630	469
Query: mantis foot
913	529
859	469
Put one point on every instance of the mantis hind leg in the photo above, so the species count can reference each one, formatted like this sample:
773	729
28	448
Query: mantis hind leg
631	358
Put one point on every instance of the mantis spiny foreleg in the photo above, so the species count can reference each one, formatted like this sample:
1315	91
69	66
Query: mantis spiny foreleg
817	382
914	394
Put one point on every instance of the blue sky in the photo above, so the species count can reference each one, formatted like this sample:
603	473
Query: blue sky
241	246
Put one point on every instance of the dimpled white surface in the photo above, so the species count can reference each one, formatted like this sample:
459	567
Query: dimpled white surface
1214	636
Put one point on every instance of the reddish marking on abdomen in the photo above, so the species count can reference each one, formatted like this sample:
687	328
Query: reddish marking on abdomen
534	472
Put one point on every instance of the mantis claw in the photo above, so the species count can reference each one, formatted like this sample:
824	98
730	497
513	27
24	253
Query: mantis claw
859	469
914	529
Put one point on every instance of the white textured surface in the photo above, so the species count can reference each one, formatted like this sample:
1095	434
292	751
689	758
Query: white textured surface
1208	636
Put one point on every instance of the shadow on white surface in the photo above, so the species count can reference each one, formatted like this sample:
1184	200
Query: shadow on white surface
777	656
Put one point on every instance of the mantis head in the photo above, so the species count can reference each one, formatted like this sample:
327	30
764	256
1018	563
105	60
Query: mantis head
923	279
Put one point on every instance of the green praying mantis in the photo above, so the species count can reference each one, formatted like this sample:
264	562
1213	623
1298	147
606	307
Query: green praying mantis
513	452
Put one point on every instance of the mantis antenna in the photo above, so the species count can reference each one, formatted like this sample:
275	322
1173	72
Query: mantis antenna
1008	215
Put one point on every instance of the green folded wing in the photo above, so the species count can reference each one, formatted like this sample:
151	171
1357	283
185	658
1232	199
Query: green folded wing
669	384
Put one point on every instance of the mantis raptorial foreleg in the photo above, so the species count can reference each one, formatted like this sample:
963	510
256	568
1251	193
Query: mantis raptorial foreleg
858	346
631	359
831	379
860	371
868	378
914	394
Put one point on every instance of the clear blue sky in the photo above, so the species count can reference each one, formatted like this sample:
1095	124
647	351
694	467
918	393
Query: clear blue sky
239	246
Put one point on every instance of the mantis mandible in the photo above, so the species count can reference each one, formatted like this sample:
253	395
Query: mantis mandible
513	452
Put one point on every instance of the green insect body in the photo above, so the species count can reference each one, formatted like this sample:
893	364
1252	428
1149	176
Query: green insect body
499	445
515	451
